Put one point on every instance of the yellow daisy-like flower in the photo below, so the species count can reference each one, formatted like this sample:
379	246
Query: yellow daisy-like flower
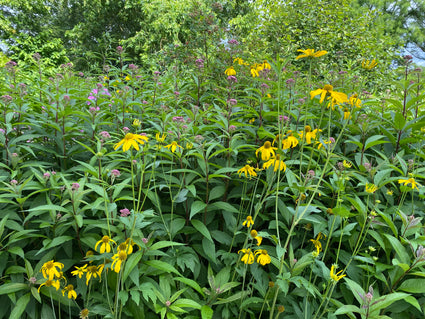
239	60
346	164
230	71
390	192
84	314
266	65
369	64
347	113
334	275
189	145
131	140
371	188
136	122
251	120
410	181
254	71
160	138
263	257
80	271
50	283
248	171
173	146
290	142
71	292
106	246
277	163
309	53
309	134
254	234
317	244
51	269
267	151
126	246
355	101
248	257
328	91
248	222
325	142
93	271
118	259
127	78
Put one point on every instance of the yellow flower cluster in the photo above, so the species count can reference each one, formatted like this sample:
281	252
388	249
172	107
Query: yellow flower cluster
52	271
309	53
255	68
248	257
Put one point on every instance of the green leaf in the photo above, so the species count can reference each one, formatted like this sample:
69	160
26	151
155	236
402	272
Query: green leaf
200	227
386	300
342	211
20	306
206	312
209	248
347	309
161	265
414	286
164	243
374	140
222	206
186	303
12	287
196	208
191	283
131	262
398	247
399	121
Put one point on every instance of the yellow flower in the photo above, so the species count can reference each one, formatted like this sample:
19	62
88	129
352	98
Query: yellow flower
84	314
325	142
369	65
106	246
254	234
51	269
127	78
316	242
131	140
409	181
160	138
173	146
230	71
136	122
334	275
309	53
254	71
390	192
118	259
239	60
277	163
263	257
248	222
93	271
309	134
50	283
371	188
346	113
248	257
71	292
266	151
266	65
290	142
355	101
126	246
189	145
251	120
328	91
80	271
346	164
248	171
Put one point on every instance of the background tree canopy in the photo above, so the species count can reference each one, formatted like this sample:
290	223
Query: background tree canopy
85	32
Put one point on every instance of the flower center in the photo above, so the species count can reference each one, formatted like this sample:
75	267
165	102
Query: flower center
267	145
129	136
105	239
264	252
328	88
49	265
92	269
122	255
307	128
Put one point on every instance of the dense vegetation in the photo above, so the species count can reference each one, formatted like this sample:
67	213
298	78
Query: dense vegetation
209	160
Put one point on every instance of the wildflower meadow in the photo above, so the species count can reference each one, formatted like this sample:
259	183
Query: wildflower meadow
214	184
